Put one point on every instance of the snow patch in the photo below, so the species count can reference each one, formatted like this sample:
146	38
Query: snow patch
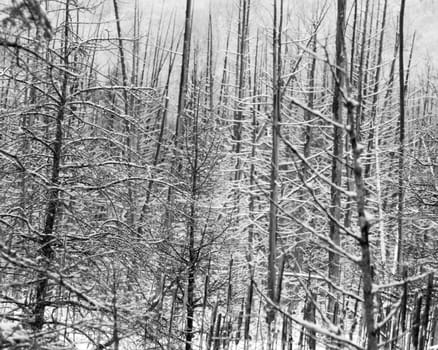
13	333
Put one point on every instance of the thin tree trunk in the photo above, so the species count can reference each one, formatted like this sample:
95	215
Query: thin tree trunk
310	102
224	80
114	309
424	335
273	204
131	213
212	324
251	267
401	192
361	73
434	330
217	339
184	68
227	316
240	322
416	320
365	225
241	66
210	67
348	167
191	232
353	43
171	317
204	305
52	210
336	177
180	123
374	134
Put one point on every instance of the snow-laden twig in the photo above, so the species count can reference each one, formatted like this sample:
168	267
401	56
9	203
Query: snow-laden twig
378	287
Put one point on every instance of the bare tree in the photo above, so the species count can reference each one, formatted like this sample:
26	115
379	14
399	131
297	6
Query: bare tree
336	176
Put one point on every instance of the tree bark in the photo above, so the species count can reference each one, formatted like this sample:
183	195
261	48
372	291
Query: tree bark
365	225
52	209
336	177
184	68
191	234
273	203
424	334
401	192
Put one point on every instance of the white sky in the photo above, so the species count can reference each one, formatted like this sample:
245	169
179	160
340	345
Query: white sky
421	16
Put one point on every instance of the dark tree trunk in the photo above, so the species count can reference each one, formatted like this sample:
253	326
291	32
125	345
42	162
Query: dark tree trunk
52	210
401	192
336	177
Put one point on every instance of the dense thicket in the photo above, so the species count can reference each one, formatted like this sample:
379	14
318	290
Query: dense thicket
270	185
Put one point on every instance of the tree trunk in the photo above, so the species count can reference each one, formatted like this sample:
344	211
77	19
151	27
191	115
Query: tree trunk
273	204
52	209
184	69
336	177
424	334
401	192
191	233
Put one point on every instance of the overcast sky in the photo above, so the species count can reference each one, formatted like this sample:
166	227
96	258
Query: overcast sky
421	16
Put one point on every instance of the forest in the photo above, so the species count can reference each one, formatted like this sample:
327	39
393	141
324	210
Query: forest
218	175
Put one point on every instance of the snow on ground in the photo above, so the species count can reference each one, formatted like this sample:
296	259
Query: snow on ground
12	333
